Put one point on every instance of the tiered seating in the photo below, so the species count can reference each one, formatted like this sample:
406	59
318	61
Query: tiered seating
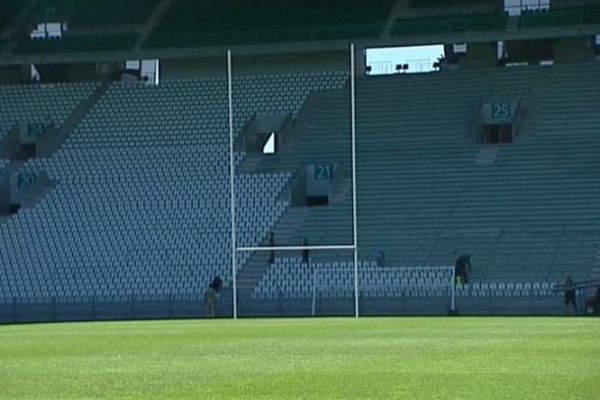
279	92
75	44
560	17
137	115
141	205
155	222
531	216
40	103
202	23
117	113
10	11
105	12
444	25
443	3
289	278
424	195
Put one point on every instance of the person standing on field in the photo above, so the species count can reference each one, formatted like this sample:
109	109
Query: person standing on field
570	295
210	300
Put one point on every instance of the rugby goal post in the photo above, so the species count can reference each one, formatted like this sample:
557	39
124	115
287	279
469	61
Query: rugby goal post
235	248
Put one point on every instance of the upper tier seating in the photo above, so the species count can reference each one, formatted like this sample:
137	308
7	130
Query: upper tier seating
229	22
444	3
76	44
84	13
448	25
560	17
10	11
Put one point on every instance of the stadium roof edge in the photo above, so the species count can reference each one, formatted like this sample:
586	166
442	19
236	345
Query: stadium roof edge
301	47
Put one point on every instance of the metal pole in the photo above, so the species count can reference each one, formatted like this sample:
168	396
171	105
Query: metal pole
354	218
232	187
297	248
313	307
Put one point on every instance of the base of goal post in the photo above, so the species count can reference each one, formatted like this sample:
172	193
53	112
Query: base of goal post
453	313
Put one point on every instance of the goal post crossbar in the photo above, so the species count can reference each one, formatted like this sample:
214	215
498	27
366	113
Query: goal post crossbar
298	248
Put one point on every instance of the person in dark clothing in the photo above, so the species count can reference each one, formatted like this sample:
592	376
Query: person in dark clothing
592	306
272	244
217	283
462	267
210	300
380	259
305	254
570	295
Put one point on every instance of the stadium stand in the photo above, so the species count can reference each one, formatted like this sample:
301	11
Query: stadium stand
10	10
289	278
423	196
141	202
448	25
108	25
140	205
105	12
442	3
560	17
40	103
76	44
201	23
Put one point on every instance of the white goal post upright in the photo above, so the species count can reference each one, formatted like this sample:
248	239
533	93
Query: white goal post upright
353	246
354	208
232	184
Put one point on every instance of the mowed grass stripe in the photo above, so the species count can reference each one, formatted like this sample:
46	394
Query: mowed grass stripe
371	358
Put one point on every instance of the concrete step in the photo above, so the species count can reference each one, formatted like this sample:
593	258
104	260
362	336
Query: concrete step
258	264
51	143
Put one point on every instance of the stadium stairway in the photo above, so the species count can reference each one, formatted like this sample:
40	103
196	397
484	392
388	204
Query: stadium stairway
51	143
258	263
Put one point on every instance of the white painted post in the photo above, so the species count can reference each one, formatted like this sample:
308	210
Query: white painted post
354	208
232	186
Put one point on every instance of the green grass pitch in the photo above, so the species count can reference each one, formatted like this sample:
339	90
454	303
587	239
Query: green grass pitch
370	358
